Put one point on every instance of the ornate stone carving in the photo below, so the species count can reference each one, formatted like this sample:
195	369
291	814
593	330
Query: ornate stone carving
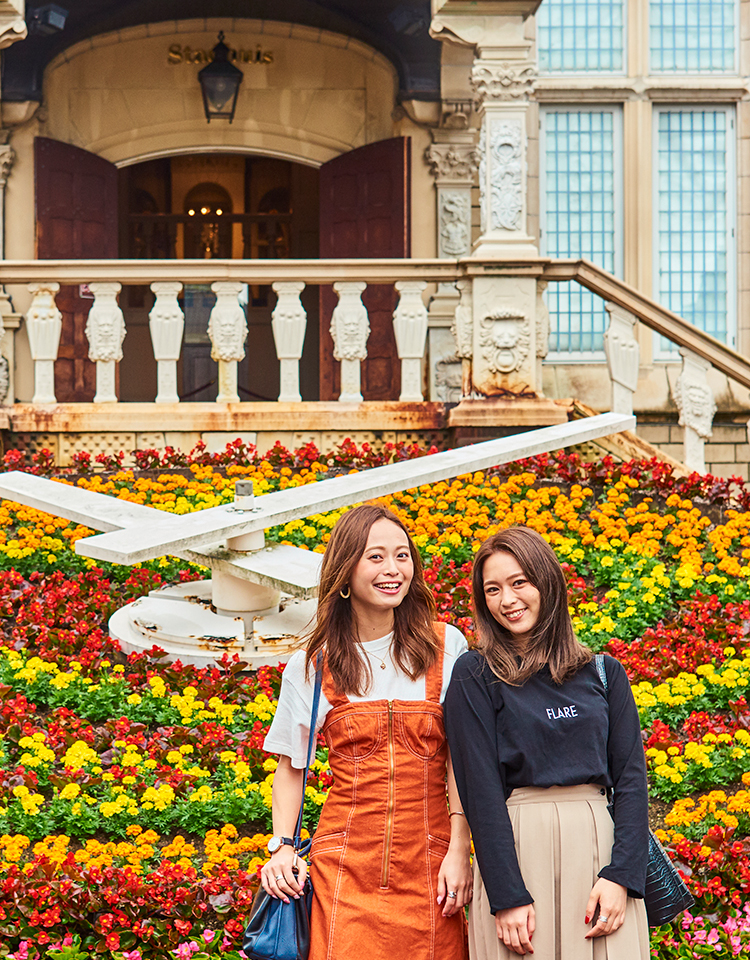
4	378
484	218
410	329
105	325
44	325
463	321
166	323
452	161
693	395
542	321
449	379
506	156
12	26
454	223
623	356
504	341
500	82
7	156
350	329
227	327
289	322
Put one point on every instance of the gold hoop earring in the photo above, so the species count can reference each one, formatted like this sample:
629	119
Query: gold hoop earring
345	596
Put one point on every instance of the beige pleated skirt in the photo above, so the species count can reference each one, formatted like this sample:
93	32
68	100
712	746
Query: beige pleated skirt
564	836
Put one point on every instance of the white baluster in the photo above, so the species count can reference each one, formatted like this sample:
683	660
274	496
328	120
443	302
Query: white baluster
166	321
227	328
44	326
289	322
350	328
410	328
623	355
695	401
463	331
105	331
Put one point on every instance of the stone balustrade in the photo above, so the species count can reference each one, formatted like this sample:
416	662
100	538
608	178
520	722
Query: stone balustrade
495	339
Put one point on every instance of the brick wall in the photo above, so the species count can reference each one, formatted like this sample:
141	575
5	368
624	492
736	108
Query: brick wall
727	452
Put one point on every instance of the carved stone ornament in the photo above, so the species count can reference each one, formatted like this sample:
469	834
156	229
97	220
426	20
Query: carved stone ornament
350	325
506	157
227	326
449	379
500	82
463	322
504	341
105	325
289	320
452	161
44	321
7	156
693	395
483	197
4	378
454	223
12	27
166	320
621	347
542	321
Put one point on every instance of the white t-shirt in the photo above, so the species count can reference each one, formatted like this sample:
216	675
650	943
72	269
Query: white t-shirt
290	729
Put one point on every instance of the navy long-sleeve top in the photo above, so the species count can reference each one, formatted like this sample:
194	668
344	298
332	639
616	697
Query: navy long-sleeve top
543	735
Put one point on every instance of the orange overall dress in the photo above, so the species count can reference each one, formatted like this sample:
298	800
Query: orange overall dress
384	831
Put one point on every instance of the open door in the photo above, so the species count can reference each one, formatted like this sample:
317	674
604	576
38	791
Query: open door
76	218
365	212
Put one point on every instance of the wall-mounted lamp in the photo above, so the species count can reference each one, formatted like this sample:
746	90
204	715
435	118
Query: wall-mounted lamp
220	84
47	20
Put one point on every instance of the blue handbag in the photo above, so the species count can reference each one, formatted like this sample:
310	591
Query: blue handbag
278	930
666	894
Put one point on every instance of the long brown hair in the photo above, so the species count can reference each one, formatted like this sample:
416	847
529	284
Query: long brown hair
335	632
552	642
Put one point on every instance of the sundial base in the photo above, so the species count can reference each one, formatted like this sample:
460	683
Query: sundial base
180	621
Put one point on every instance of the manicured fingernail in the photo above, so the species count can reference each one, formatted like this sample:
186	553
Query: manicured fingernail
439	899
587	919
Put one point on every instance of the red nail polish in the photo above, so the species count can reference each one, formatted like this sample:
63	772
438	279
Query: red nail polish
587	919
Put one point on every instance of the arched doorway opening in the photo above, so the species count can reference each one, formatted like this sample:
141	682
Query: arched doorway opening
217	206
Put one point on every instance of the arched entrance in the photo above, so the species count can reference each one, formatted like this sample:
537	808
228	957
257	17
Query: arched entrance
208	206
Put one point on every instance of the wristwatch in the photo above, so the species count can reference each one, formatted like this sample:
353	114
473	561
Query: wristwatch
276	843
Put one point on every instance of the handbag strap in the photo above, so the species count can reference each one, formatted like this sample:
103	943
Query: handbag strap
310	745
599	661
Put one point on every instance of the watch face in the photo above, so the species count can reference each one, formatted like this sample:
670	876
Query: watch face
273	844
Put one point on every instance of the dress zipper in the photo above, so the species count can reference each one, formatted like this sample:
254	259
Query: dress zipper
391	791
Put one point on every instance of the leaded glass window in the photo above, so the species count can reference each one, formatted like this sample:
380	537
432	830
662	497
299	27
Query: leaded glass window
692	36
694	235
581	217
579	36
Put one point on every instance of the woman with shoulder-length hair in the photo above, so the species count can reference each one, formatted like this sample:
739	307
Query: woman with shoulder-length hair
390	867
537	743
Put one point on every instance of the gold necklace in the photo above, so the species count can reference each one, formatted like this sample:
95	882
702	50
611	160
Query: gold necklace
382	660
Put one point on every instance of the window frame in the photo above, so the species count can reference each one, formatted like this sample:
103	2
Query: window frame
581	356
595	71
723	72
670	356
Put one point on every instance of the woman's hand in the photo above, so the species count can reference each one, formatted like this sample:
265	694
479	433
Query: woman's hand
455	876
277	875
515	927
612	899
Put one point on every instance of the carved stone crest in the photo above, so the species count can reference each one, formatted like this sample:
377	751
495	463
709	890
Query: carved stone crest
504	341
227	326
452	161
502	81
693	395
350	326
506	153
455	222
449	379
105	325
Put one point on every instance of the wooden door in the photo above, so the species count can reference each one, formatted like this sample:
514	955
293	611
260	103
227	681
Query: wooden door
365	212
76	218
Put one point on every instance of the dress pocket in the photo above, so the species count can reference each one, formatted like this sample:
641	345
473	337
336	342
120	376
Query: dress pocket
355	737
421	733
327	843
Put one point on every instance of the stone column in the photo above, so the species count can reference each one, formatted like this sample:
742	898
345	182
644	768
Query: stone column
166	322
623	355
410	329
695	401
454	160
44	326
105	332
289	322
350	329
227	329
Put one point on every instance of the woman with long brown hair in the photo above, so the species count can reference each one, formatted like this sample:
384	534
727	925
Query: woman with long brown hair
537	744
389	860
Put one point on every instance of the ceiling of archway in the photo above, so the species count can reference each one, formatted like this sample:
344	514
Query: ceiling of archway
397	28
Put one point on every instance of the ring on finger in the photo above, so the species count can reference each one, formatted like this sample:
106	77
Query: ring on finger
278	877
603	919
453	894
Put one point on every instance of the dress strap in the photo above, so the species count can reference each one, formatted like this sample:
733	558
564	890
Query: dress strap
434	677
332	695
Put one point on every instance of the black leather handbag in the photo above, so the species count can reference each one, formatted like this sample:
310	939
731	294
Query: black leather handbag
278	930
666	895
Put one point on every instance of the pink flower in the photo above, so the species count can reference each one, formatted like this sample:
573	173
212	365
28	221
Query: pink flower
185	950
208	935
131	955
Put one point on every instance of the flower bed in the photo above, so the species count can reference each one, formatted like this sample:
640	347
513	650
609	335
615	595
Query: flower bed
134	794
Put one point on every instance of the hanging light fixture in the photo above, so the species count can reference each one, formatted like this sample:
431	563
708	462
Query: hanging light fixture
220	84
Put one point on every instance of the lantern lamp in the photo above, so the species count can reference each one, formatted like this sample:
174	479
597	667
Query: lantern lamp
220	84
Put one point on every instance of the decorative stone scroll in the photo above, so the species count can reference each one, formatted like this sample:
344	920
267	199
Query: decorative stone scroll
506	156
454	223
105	332
44	326
350	329
227	330
623	356
452	161
695	401
289	322
504	341
166	321
501	82
410	329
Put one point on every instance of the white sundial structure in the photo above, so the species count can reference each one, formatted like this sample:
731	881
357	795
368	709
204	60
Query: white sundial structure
260	599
